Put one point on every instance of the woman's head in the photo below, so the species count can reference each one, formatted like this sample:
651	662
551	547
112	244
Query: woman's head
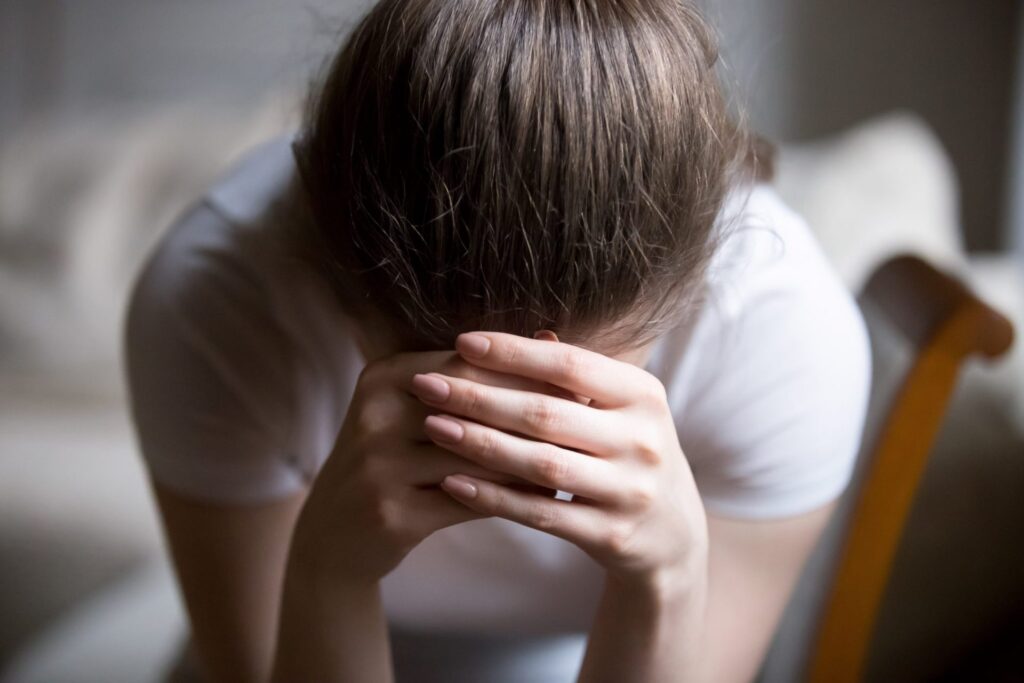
520	164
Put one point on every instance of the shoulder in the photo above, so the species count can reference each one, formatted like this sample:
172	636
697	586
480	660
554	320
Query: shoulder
770	278
225	251
215	362
778	376
766	250
247	191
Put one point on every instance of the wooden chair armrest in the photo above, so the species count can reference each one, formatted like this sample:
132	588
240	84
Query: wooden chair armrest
944	322
917	298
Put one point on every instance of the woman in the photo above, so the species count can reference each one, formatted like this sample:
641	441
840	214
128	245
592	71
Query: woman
349	480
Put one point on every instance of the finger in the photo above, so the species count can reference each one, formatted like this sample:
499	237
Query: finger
400	414
546	418
548	335
428	464
579	524
529	488
608	381
402	366
392	413
539	462
431	510
392	408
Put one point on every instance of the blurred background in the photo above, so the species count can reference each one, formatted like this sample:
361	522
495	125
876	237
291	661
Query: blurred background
901	128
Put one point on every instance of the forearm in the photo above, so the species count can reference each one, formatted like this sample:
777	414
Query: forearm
331	631
648	633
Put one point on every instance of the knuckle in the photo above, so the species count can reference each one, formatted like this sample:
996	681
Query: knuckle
654	391
472	398
512	351
570	366
367	375
497	502
385	516
545	517
487	445
649	454
642	442
642	495
619	538
393	524
541	415
551	468
374	415
374	371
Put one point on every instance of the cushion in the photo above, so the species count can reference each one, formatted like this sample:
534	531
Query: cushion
882	187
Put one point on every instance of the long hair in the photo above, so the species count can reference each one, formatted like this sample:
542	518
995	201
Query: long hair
517	164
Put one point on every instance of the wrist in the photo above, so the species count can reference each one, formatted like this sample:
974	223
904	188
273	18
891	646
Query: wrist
322	557
310	574
667	585
330	628
649	627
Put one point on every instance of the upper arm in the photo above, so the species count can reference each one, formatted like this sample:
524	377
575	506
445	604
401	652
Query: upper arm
214	380
753	568
213	398
773	423
774	431
230	562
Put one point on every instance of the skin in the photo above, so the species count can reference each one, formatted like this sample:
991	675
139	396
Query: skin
273	590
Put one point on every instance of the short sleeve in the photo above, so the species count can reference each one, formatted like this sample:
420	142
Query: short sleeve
774	422
210	372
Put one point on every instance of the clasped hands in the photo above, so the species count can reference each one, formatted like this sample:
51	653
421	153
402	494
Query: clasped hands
635	506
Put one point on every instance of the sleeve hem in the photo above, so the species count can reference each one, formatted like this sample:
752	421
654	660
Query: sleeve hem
778	507
226	487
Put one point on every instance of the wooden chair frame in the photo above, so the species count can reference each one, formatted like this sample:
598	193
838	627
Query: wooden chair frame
945	323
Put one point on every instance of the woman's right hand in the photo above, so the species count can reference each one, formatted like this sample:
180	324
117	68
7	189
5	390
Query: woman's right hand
377	496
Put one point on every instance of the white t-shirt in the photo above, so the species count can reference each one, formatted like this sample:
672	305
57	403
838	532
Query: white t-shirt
241	369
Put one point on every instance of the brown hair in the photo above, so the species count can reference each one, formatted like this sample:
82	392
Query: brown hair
520	164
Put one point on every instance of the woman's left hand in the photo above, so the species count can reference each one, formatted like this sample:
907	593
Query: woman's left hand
635	510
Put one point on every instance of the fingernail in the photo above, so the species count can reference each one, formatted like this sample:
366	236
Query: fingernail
472	345
459	485
430	388
444	429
